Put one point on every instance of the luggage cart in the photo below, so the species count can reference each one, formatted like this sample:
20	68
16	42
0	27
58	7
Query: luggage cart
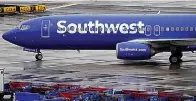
8	10
38	8
163	96
22	9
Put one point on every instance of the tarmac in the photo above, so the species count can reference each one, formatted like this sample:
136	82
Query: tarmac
100	68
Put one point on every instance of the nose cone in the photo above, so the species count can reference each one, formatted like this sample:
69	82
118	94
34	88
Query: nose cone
8	36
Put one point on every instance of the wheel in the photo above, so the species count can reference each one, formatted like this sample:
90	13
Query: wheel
38	56
174	59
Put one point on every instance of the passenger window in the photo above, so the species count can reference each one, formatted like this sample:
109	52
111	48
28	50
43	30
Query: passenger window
162	29
191	28
167	29
182	28
156	30
18	26
187	29
172	28
177	29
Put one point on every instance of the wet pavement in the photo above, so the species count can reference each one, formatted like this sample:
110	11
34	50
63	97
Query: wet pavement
100	68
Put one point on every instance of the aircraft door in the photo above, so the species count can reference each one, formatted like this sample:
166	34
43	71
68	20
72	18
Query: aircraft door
45	29
148	30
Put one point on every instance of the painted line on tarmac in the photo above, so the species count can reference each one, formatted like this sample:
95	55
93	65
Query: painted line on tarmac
63	6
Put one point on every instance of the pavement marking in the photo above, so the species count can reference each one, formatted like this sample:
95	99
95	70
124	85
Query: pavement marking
66	5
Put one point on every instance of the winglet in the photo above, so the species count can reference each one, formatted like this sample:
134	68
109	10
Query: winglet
78	51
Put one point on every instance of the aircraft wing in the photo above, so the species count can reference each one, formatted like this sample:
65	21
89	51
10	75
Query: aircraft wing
158	43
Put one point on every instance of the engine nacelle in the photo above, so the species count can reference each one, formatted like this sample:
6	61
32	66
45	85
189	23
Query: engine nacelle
134	51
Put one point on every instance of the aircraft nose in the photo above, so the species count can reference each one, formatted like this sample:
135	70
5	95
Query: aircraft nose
8	36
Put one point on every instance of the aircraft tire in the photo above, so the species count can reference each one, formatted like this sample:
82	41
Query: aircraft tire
38	56
174	59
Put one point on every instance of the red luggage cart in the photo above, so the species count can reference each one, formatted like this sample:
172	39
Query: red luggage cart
70	95
41	90
168	94
69	86
132	91
100	90
18	86
180	98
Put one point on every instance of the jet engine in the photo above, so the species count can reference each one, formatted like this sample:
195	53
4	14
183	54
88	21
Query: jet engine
134	51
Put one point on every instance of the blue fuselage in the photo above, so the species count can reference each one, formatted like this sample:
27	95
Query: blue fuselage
58	32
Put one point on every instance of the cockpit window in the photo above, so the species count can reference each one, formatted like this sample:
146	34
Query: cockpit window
18	26
23	27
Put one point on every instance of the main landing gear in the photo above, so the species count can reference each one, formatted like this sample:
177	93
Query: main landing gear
176	57
39	56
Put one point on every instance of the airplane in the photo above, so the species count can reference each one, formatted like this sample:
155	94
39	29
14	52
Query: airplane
133	36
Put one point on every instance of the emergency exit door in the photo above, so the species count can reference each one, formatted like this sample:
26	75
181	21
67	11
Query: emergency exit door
148	30
45	29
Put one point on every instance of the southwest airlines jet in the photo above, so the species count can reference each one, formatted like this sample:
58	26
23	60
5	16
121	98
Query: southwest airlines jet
134	37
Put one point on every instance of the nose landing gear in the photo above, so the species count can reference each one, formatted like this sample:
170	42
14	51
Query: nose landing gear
39	56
